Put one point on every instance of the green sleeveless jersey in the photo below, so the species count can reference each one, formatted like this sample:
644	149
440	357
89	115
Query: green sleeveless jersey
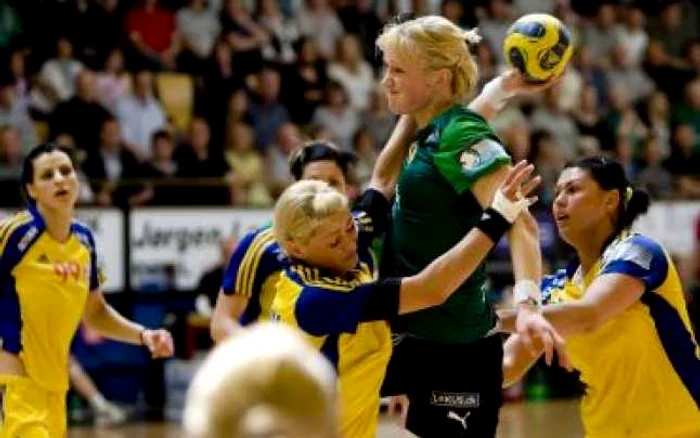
435	209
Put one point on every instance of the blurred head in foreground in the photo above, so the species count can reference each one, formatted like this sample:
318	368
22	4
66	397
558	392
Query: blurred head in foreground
266	382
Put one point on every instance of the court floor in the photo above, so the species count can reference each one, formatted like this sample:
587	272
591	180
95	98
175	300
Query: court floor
518	420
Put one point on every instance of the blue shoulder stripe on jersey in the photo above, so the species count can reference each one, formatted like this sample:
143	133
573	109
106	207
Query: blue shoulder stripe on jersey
677	342
18	243
551	283
639	257
85	236
321	312
257	257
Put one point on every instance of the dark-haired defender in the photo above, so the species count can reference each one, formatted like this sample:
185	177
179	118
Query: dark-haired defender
49	281
621	307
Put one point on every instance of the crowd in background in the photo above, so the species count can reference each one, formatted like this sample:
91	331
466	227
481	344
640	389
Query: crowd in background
268	74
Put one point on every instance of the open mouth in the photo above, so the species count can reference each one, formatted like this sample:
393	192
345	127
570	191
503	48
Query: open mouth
561	217
62	193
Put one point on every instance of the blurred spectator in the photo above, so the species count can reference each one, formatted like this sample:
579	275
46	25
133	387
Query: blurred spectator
676	24
624	154
654	178
366	152
95	27
453	10
18	74
56	82
277	158
11	27
631	77
267	113
152	32
159	170
600	36
196	161
81	116
591	74
284	31
656	117
523	7
221	80
692	57
210	282
305	82
352	72
337	117
688	112
359	17
546	155
244	35
198	28
589	146
495	26
587	114
684	161
632	36
113	83
140	115
488	64
551	118
11	158
622	119
378	120
248	167
14	114
319	21
109	165
668	76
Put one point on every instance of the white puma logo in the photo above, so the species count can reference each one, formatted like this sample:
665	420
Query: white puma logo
463	420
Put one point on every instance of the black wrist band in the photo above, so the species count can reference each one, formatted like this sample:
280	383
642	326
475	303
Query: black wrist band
493	224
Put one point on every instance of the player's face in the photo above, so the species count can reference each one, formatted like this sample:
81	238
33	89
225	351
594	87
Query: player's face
327	171
406	82
55	184
580	205
334	244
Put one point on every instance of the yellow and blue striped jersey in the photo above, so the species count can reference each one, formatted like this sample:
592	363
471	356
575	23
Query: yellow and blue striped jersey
345	318
642	368
253	272
45	285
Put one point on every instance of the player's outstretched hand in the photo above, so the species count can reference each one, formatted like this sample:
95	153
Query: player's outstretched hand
514	83
159	343
535	331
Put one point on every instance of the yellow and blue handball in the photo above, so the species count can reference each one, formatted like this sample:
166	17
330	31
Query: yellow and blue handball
539	45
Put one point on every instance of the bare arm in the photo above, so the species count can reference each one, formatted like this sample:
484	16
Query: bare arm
224	321
101	317
518	359
609	296
388	165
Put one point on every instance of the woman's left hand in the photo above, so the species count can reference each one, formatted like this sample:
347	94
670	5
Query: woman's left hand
533	327
159	343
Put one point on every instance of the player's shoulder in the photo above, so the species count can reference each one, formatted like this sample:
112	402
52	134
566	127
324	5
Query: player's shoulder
313	280
462	127
637	248
259	238
84	233
552	284
22	227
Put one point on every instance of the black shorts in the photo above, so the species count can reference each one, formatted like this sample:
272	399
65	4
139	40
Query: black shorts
454	389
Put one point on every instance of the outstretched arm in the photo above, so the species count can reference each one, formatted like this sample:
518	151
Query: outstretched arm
388	165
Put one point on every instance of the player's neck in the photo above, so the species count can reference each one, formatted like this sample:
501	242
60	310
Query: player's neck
590	246
432	110
57	223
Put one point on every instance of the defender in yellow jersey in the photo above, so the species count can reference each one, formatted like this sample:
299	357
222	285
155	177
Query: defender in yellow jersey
329	290
622	309
49	280
249	281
